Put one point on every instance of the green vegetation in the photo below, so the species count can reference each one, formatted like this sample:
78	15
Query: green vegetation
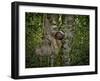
74	47
79	53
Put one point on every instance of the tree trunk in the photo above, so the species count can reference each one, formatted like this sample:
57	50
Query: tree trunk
68	28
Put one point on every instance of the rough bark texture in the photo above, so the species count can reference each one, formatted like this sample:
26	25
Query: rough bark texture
69	27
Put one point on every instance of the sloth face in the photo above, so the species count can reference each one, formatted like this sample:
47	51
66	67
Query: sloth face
59	35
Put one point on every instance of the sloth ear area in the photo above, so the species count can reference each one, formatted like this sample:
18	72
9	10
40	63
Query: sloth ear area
53	33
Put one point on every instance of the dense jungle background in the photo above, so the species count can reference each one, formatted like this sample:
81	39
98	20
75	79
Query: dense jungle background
56	40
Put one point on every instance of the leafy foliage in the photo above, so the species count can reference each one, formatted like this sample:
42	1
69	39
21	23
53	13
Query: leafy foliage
33	37
79	53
